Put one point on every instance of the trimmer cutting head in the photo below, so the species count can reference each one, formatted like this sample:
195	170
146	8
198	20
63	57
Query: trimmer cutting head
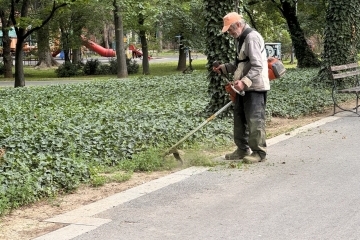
176	154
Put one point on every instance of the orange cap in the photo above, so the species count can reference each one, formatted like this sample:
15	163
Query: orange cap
229	19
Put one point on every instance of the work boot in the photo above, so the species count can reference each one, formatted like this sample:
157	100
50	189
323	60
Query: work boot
253	158
238	154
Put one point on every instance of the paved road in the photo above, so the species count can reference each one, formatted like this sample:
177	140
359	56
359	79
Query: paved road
307	189
41	83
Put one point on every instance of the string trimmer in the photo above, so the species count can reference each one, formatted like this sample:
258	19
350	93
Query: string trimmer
173	150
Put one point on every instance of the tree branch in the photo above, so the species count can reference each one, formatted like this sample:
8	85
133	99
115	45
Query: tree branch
253	24
53	10
279	6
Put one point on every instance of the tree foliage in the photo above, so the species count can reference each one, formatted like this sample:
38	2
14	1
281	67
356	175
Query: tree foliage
25	25
288	9
183	24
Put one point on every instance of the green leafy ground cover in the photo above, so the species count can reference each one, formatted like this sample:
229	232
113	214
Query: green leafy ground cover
57	137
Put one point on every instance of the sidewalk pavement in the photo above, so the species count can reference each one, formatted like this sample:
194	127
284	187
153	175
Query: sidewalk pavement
307	189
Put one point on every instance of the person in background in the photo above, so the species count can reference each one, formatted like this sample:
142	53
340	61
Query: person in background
250	74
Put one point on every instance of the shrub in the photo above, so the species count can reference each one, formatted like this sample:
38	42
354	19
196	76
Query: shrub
68	69
91	67
132	66
113	66
104	69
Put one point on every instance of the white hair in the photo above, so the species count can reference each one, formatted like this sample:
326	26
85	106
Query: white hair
241	21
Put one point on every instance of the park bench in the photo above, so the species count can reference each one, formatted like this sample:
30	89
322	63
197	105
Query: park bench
345	80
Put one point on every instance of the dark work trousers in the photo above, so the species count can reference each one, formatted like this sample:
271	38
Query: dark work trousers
249	122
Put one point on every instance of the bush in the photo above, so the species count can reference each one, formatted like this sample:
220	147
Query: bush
68	69
113	66
91	67
104	69
132	66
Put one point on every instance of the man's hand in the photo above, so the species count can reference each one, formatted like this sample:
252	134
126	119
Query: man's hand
239	85
219	68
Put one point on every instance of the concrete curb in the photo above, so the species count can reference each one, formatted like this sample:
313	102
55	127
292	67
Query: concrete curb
81	220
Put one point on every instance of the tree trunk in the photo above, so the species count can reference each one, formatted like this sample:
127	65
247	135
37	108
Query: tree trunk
305	57
76	55
106	36
19	65
182	55
120	46
44	52
65	44
144	47
160	37
6	51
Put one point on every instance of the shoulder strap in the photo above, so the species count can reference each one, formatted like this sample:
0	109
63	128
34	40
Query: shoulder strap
241	40
242	37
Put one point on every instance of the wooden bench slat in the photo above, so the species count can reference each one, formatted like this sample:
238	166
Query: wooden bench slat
345	74
350	90
341	73
344	67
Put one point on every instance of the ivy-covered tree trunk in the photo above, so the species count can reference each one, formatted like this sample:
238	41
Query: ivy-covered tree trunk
341	35
304	55
6	51
219	47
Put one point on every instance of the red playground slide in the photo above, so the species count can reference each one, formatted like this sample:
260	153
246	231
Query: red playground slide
56	52
105	52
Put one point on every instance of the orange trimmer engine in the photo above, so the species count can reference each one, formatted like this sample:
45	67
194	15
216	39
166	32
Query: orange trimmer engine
276	68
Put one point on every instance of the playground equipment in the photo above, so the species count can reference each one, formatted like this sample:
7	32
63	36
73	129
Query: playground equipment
104	52
136	53
56	52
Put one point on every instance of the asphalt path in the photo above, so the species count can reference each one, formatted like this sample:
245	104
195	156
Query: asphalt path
307	189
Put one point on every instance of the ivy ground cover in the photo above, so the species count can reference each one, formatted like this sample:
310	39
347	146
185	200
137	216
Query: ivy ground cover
53	136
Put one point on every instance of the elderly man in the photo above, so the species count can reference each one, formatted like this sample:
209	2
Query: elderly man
250	74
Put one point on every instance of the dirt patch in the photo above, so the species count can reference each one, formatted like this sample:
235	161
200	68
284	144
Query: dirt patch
28	222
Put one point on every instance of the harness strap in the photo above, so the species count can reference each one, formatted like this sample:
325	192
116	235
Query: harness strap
241	40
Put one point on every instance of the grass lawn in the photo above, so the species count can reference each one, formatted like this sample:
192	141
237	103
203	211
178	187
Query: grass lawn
156	69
